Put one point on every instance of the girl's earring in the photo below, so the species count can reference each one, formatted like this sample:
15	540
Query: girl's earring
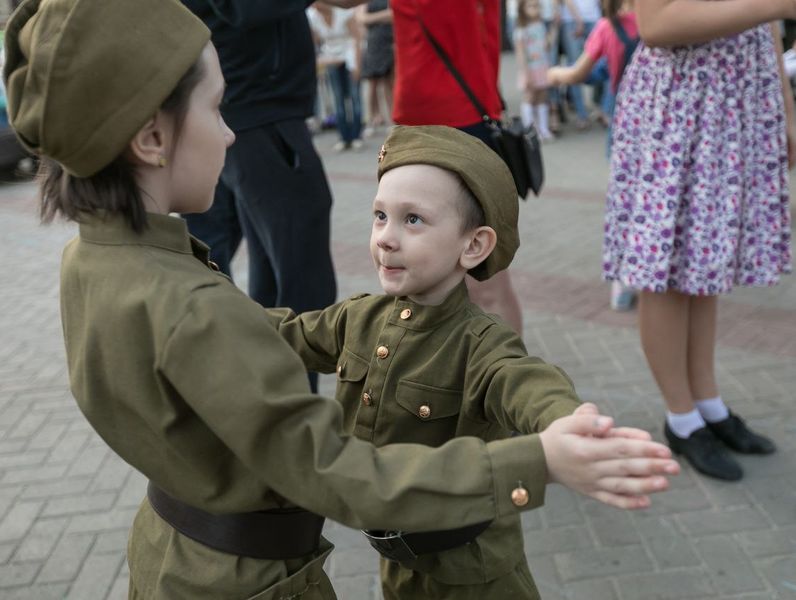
161	161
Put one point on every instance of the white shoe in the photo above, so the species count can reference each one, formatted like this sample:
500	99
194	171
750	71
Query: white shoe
340	146
357	145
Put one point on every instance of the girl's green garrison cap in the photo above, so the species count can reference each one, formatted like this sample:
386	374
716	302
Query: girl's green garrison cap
481	169
83	76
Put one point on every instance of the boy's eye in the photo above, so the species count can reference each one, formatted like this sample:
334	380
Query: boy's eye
414	219
380	216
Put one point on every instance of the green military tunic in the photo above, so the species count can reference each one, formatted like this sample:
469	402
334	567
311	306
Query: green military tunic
427	374
186	379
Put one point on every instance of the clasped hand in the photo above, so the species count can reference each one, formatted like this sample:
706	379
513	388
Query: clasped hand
619	466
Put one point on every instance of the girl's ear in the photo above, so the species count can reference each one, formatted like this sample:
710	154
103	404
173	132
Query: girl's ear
482	242
150	145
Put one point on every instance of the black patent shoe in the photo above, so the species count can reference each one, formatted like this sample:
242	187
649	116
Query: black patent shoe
734	432
705	453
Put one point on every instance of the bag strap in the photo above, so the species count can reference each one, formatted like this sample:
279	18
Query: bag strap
456	75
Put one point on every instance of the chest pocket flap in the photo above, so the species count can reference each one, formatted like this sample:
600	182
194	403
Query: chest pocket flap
351	367
427	402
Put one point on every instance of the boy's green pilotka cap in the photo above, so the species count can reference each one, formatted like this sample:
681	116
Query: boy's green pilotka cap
83	76
481	169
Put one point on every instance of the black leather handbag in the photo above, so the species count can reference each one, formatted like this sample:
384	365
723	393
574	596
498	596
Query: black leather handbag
518	146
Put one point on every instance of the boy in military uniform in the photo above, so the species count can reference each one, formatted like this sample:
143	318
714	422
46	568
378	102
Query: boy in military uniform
423	364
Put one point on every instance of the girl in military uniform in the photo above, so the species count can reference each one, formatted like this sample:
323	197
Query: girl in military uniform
181	373
423	364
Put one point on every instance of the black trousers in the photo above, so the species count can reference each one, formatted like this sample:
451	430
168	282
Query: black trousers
274	180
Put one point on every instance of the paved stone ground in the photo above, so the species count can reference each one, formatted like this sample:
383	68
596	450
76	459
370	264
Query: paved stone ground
66	501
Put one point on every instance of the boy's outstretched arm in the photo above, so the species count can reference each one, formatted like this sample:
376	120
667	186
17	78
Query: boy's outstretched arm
618	470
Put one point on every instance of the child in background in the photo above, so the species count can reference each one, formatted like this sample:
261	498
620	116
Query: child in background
423	364
698	199
531	43
337	36
378	61
614	38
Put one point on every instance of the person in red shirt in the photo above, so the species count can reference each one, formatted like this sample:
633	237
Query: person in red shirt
427	94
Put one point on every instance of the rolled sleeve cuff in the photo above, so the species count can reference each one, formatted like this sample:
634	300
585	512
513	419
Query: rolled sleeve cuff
518	464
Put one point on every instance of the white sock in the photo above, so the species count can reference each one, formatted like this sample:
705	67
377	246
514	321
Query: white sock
713	409
526	113
543	113
684	424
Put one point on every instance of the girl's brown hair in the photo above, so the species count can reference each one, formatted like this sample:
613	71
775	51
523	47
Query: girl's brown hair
611	8
113	189
522	16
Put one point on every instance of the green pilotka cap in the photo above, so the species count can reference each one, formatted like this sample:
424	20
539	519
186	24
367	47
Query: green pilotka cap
481	169
83	76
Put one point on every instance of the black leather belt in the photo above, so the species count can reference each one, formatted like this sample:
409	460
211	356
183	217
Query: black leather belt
273	534
400	546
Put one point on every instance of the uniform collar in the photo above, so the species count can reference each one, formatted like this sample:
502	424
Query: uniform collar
162	231
412	315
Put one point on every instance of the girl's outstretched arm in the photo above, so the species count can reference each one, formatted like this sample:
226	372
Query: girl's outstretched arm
577	73
683	22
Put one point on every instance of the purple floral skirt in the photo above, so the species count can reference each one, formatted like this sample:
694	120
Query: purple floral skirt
698	195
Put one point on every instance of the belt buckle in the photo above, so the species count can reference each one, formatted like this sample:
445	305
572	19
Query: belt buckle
390	544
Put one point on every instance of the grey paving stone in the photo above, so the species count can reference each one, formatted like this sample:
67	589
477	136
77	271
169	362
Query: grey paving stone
118	589
18	520
768	542
56	489
714	521
545	574
47	436
593	589
366	587
96	577
110	542
67	558
670	585
99	522
8	461
80	504
780	572
37	592
40	540
669	547
602	562
16	574
611	527
561	507
728	566
33	474
6	550
553	540
88	461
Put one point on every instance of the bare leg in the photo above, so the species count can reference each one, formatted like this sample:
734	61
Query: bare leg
388	82
374	110
701	347
664	326
496	295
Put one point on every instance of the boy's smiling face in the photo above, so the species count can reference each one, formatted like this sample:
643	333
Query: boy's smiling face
417	242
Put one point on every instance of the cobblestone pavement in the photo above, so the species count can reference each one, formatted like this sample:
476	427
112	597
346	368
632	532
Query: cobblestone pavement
66	501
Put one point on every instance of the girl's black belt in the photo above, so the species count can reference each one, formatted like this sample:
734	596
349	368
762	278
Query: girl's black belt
272	534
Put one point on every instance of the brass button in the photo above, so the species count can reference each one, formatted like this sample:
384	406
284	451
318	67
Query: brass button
406	313
382	351
519	496
367	400
339	369
424	412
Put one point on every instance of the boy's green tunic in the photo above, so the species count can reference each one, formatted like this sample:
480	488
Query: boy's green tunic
426	374
186	379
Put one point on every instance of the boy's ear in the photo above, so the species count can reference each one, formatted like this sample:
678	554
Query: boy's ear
149	145
482	242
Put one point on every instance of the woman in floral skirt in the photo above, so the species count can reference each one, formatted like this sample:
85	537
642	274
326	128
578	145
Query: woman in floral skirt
698	198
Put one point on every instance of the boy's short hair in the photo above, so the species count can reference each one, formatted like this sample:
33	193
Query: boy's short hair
484	176
468	206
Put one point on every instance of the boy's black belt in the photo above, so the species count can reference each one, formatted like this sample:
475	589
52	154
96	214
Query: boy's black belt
272	534
401	547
